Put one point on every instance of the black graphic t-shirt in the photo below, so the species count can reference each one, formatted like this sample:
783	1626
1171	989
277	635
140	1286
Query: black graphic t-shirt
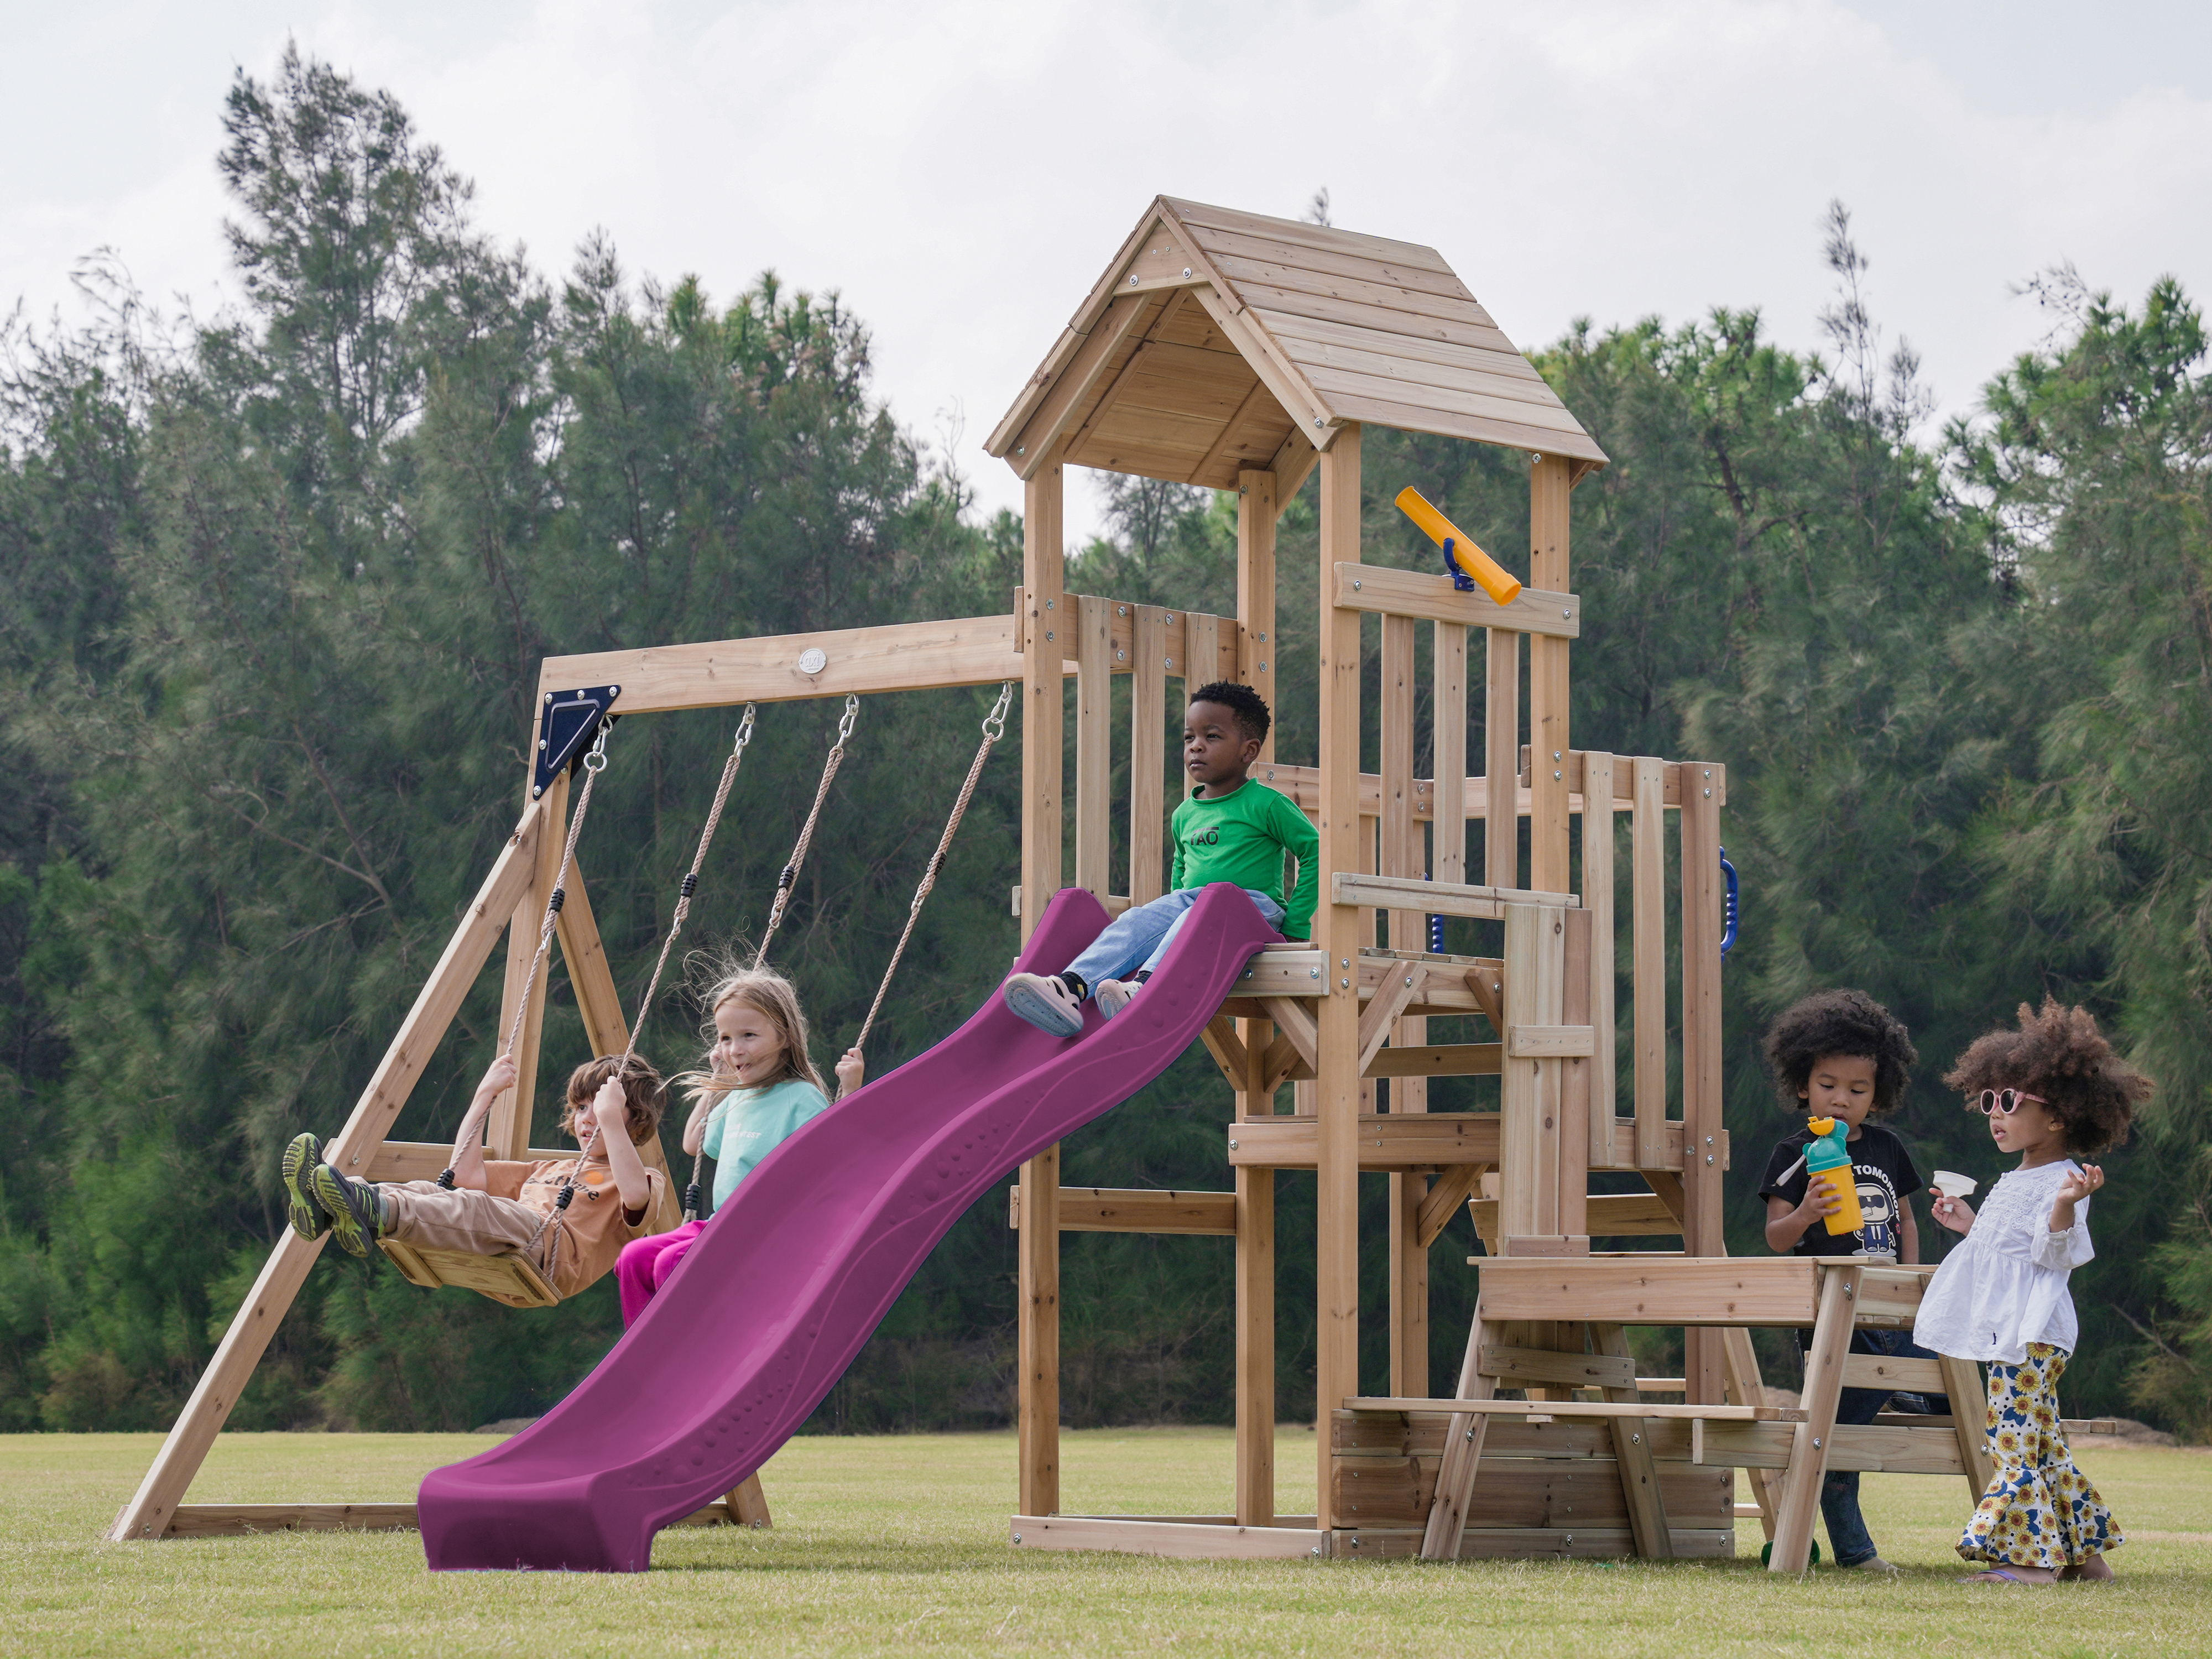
1886	1177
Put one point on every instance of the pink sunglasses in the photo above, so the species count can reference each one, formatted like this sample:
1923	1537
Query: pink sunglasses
2007	1101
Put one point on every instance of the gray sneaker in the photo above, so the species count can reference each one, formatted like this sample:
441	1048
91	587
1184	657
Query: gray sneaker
356	1209
1045	1001
1112	995
1872	1564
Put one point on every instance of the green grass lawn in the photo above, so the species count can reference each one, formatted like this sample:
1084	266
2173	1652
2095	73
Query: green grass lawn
899	1545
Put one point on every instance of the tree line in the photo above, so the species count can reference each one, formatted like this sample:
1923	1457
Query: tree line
279	583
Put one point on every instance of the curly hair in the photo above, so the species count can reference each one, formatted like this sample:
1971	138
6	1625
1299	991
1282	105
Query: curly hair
1250	708
1849	1022
2059	1055
644	1096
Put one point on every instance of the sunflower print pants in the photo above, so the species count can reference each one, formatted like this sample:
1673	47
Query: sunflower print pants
2039	1510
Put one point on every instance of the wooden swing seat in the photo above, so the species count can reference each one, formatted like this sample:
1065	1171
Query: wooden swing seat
511	1278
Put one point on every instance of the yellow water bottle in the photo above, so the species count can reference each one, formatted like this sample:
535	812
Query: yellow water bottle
1826	1159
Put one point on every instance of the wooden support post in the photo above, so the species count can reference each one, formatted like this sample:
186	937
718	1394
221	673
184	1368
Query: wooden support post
1597	897
1455	1493
1744	1389
1402	855
1148	751
1092	619
1528	1136
1647	859
1962	1381
1631	1451
1705	1370
506	1129
1548	744
1257	650
748	1504
1255	1347
153	1507
1337	930
1037	1249
1501	747
1811	1441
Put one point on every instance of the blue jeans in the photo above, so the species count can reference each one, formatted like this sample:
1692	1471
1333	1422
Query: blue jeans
1839	1491
1137	938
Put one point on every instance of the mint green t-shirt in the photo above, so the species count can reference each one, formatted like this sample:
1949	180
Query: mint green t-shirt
748	1124
1241	837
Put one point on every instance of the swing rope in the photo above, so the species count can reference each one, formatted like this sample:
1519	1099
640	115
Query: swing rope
994	728
806	834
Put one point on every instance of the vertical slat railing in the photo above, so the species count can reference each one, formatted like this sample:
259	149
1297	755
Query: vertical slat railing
1597	898
1501	732
1094	741
1148	702
1647	859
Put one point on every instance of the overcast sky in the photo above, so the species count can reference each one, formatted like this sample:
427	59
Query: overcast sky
962	172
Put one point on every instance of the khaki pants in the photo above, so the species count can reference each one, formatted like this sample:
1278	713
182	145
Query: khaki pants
426	1214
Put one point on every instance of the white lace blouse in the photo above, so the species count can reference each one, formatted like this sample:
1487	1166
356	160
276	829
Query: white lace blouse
2004	1285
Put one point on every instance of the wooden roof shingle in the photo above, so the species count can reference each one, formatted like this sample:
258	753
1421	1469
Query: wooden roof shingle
1219	340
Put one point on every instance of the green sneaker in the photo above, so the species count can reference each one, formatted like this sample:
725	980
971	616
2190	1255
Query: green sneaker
299	1207
356	1210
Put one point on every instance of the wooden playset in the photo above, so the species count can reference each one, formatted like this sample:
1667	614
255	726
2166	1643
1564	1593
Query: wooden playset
1237	352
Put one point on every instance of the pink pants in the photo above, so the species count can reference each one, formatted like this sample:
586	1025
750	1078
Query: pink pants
646	1263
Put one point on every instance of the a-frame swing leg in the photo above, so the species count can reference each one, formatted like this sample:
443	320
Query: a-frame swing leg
153	1507
506	1132
600	1004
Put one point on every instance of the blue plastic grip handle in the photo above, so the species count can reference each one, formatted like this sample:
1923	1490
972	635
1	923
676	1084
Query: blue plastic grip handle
1733	912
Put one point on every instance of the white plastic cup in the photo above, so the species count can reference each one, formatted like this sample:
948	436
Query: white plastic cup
1951	1184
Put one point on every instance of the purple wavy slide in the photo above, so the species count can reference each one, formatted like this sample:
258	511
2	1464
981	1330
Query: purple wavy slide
761	1318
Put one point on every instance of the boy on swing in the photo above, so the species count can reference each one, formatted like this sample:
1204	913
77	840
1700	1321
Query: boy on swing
1230	829
493	1206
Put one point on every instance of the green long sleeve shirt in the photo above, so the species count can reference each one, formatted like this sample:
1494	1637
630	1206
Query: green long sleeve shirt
1241	837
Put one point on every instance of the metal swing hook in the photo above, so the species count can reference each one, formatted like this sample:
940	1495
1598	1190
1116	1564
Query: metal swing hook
595	759
845	725
995	723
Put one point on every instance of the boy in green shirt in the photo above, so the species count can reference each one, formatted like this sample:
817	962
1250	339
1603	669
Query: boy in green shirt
1230	829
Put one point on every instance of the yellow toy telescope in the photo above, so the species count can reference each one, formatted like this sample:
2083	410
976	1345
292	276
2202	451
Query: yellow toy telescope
1462	558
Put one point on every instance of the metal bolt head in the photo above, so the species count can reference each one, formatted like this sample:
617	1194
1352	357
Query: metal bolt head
1313	973
1047	604
1186	271
1709	794
1017	1537
1021	449
1317	419
1346	983
1232	1145
1635	1439
1132	282
1816	1444
1263	668
1344	962
1355	584
1048	633
1263	639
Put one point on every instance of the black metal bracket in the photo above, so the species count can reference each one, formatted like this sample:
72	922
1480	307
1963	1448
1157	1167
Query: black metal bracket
566	723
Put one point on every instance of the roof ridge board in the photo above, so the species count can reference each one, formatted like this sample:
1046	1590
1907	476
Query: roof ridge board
1287	325
1203	216
1459	400
1301	256
1506	434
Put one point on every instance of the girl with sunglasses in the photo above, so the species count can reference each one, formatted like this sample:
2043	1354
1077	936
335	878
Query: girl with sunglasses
2053	1091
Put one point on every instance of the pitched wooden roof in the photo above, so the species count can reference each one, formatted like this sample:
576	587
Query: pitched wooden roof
1219	340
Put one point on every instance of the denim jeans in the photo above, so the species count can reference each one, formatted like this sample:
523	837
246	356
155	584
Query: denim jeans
1140	935
1840	1492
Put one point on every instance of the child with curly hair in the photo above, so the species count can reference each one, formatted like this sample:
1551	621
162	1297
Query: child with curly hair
1842	1055
2053	1090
